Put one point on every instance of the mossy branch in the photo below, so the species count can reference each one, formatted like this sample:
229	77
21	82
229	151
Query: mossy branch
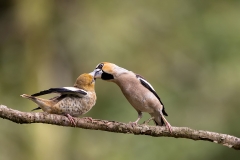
118	127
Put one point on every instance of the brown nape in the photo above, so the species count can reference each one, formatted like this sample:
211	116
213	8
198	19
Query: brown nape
85	81
108	67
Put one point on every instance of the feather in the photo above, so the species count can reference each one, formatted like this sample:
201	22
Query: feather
147	85
64	90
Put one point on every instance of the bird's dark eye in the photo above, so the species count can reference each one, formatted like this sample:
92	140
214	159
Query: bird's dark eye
100	66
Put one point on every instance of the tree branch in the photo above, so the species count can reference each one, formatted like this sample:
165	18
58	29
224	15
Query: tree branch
117	127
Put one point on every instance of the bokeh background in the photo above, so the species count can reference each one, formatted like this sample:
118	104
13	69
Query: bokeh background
188	50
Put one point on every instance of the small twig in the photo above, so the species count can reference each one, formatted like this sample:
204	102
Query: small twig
117	127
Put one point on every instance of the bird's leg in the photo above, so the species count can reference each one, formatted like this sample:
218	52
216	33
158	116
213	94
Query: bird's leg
139	117
147	121
71	119
166	123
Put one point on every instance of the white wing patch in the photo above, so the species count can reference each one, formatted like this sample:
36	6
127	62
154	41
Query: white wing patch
72	88
78	91
141	79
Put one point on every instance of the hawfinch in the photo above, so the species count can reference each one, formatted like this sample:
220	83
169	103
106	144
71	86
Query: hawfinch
72	101
140	94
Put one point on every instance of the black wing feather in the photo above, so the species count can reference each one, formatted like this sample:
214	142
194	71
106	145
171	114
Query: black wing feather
59	90
36	109
151	89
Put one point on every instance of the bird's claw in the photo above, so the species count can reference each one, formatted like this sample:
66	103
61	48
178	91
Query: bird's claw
133	124
169	127
71	119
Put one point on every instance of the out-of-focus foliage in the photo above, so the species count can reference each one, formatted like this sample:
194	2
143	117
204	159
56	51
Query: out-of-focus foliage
188	50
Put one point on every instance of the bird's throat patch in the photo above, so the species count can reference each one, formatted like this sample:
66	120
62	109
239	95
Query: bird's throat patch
106	76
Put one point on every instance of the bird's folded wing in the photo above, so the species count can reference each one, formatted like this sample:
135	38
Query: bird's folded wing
63	90
146	84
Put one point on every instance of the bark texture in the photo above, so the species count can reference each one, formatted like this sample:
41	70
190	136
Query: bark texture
118	127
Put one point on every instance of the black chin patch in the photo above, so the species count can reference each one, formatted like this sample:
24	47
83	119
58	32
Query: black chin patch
106	76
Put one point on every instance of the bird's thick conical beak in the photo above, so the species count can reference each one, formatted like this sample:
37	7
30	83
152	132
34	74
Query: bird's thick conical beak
97	73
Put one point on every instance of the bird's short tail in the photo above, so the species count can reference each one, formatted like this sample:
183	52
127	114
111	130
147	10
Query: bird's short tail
31	98
42	103
27	96
159	124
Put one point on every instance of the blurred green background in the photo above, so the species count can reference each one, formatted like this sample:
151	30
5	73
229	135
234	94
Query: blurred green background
188	50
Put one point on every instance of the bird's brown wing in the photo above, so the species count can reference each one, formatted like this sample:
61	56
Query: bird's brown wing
146	84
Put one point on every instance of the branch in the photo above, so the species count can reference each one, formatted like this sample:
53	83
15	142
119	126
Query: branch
117	127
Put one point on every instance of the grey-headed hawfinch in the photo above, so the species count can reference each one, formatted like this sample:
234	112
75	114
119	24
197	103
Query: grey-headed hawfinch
140	94
71	101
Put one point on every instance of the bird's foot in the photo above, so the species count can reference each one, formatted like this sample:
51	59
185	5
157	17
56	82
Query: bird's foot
167	124
89	118
169	127
133	124
148	121
71	119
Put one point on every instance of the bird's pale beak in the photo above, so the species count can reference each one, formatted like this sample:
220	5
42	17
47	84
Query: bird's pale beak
92	73
97	73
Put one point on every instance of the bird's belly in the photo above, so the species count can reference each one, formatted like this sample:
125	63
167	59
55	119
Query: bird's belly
74	106
142	102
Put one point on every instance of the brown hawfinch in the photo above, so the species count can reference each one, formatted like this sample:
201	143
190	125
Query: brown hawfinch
140	94
72	101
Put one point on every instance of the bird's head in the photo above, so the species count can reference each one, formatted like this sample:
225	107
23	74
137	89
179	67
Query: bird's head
86	81
108	71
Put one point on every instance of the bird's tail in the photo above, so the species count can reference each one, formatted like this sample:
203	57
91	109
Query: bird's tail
28	96
42	103
34	109
159	122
